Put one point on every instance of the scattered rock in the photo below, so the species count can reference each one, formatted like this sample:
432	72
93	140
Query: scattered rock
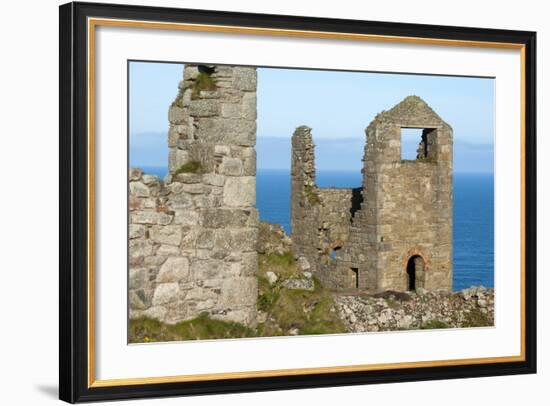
303	264
293	332
262	317
385	311
271	277
299	284
421	291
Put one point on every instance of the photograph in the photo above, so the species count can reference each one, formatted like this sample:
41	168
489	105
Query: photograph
256	202
269	201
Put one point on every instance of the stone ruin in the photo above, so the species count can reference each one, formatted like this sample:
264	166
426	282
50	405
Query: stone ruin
393	233
193	237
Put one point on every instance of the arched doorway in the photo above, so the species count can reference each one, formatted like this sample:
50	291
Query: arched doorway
415	272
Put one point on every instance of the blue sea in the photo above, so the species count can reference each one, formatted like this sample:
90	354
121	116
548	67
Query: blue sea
473	219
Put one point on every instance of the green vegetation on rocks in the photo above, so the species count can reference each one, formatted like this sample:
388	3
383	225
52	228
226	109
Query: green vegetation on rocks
145	330
311	195
292	311
203	82
189	167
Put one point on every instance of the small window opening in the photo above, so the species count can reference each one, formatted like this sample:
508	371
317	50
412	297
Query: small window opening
334	252
355	277
416	142
411	140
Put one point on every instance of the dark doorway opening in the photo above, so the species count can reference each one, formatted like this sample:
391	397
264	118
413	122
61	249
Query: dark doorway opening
415	272
355	277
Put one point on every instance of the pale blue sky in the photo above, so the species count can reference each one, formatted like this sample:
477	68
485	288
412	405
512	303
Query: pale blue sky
336	105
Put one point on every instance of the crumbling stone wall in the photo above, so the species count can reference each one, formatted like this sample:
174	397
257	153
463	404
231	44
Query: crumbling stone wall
320	217
192	237
404	213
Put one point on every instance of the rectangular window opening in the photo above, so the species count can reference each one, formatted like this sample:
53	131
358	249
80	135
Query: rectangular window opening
412	144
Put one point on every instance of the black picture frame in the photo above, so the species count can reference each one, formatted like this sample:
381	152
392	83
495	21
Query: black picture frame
74	199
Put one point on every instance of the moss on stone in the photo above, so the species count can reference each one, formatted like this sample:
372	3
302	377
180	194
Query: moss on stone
311	196
203	82
189	167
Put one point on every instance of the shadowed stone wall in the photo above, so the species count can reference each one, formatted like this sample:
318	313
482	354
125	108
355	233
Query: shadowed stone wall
320	217
192	237
402	213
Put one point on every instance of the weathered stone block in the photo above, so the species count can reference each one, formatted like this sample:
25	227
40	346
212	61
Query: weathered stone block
213	179
237	292
244	78
136	231
175	269
203	270
205	239
222	218
231	110
248	107
195	188
138	278
231	166
223	150
165	293
140	248
186	217
181	201
150	217
240	191
204	107
176	115
170	235
140	299
139	189
167	251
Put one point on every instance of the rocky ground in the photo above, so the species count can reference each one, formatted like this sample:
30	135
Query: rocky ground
472	307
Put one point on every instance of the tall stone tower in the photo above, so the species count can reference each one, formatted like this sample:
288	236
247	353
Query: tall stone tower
404	228
393	233
192	237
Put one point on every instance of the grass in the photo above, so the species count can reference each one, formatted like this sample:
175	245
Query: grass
434	324
189	167
311	195
301	311
145	330
203	82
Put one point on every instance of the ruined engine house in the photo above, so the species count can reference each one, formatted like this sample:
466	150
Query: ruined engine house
395	231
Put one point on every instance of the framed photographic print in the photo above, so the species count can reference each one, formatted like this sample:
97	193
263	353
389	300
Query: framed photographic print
257	202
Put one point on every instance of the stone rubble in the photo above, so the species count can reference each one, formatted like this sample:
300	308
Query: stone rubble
389	310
